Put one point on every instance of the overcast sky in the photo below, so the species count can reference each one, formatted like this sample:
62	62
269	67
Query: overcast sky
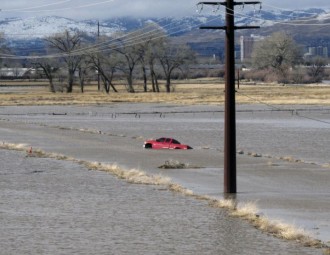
100	9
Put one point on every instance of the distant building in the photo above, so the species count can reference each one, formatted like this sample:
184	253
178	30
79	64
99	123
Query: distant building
320	51
247	45
14	73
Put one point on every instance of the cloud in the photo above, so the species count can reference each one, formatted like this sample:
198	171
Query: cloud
301	4
149	8
82	9
102	9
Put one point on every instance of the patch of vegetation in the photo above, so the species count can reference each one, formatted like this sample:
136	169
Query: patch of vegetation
173	164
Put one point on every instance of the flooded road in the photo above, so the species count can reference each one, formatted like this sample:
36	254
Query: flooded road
86	210
58	207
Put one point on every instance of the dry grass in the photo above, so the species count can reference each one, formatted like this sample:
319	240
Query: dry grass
31	152
326	251
326	165
223	203
249	211
201	91
174	164
132	176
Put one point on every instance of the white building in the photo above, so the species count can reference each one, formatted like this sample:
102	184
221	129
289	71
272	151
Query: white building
247	44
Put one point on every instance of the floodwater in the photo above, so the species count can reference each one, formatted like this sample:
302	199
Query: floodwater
260	129
58	207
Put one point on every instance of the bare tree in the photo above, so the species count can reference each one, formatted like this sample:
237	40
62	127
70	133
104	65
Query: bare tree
171	57
68	44
316	68
84	68
3	48
132	49
155	47
49	68
105	63
151	39
278	52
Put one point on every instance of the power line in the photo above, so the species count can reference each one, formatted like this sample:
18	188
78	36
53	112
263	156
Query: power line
104	46
276	22
112	41
111	44
291	22
35	7
284	9
26	10
294	110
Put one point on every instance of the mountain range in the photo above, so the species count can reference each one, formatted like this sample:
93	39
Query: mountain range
22	32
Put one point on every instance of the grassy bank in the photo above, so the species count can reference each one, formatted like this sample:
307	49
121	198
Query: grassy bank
200	91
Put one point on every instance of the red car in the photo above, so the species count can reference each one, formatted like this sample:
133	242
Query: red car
165	143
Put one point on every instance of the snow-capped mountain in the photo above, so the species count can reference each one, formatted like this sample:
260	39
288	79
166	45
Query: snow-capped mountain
25	35
40	27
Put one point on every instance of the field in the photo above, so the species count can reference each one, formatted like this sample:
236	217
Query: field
198	91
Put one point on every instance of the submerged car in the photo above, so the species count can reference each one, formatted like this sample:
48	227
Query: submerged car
165	143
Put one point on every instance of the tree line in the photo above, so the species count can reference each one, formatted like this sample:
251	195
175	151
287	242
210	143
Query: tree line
150	54
279	58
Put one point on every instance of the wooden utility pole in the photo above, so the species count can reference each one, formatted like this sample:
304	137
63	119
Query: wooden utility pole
98	60
230	111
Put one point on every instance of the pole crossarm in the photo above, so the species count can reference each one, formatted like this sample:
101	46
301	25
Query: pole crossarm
246	27
213	3
214	27
249	2
225	3
225	27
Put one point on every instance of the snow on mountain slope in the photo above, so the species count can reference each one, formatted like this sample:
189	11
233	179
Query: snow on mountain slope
41	27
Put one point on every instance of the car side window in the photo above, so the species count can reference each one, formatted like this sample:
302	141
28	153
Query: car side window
175	141
168	140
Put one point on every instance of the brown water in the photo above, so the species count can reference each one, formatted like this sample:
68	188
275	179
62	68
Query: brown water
261	129
297	193
59	207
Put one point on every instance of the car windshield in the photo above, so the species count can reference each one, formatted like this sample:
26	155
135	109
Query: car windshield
160	140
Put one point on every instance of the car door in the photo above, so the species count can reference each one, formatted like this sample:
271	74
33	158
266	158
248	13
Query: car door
167	143
159	143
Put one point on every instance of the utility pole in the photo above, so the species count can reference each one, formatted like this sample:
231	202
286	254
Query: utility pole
98	60
230	111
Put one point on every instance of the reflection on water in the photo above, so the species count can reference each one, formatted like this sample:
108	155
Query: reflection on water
58	207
